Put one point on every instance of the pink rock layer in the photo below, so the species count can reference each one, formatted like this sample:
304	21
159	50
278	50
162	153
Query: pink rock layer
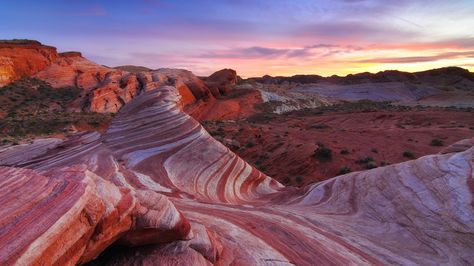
197	203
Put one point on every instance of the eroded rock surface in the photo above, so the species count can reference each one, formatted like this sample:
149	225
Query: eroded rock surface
157	168
23	58
221	81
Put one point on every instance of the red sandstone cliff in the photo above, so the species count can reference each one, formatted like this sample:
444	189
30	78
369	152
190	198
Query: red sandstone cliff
22	58
104	89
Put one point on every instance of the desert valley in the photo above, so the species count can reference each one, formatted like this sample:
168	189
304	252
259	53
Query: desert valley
134	166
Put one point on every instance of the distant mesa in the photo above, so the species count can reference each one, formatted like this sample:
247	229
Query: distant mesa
434	75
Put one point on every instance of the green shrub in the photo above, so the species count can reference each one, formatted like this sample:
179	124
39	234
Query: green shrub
371	165
364	160
299	179
250	145
408	154
319	126
344	170
436	142
344	152
322	153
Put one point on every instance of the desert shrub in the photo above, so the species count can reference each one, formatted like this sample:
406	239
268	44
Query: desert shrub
364	160
322	153
371	165
344	151
299	179
344	170
286	180
250	144
436	142
408	154
319	126
374	150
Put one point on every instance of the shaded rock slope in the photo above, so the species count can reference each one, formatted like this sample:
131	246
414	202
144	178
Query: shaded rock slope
157	178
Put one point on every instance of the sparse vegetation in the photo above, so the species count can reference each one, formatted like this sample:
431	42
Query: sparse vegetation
408	154
344	170
364	160
436	142
344	152
250	144
371	165
299	179
374	150
31	107
318	126
322	153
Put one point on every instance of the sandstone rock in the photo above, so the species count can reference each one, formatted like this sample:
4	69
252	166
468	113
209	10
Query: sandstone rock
156	177
73	215
23	58
221	81
459	146
71	69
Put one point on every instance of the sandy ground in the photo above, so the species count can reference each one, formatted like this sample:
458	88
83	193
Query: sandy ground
283	146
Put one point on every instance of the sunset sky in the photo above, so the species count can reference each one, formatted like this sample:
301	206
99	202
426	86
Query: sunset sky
254	37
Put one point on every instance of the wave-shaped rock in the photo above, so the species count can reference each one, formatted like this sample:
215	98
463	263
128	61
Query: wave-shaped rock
211	207
69	215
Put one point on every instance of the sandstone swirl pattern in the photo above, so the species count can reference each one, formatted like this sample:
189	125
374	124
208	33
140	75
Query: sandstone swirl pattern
156	177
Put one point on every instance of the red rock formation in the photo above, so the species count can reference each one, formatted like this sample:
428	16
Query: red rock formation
221	81
73	215
23	58
418	212
159	184
107	89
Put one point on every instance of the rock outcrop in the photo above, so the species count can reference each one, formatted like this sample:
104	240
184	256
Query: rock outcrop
221	81
156	188
104	89
108	90
157	164
69	215
23	58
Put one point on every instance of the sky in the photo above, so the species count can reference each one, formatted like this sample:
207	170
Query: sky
255	37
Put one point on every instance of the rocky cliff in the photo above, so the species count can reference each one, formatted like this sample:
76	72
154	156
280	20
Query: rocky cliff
23	58
104	89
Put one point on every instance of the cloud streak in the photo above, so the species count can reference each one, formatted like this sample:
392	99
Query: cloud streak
418	59
253	36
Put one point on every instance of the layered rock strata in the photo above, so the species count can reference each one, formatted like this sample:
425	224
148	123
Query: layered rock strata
154	154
